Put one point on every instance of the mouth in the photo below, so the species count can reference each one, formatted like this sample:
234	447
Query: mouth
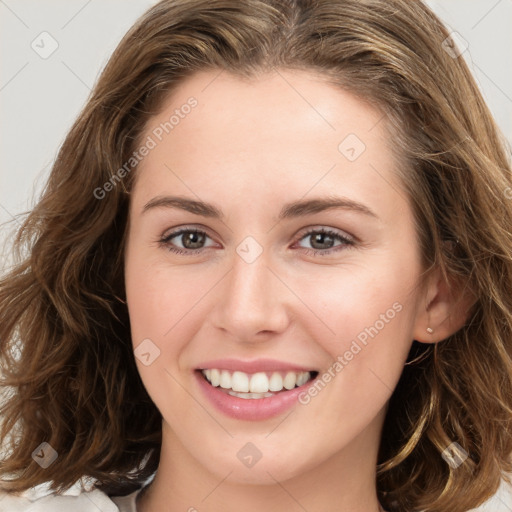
256	386
253	390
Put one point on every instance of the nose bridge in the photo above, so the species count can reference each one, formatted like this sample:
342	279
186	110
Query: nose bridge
251	281
251	300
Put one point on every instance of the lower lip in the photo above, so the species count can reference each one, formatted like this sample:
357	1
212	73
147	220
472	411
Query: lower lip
253	409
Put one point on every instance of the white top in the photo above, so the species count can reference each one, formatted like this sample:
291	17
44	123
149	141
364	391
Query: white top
76	499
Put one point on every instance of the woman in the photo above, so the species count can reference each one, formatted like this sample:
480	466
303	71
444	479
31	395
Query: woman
188	342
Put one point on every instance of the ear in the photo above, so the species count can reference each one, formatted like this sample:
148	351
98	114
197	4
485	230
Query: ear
445	308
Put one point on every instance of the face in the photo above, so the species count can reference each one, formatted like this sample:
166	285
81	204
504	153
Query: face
238	273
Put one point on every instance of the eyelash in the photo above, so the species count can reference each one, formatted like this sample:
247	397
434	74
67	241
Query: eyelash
347	242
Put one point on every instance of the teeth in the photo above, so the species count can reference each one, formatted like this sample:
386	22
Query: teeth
290	380
256	385
276	382
250	395
259	383
302	378
240	382
225	379
214	377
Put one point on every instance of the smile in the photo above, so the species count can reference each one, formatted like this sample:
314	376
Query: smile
256	385
252	391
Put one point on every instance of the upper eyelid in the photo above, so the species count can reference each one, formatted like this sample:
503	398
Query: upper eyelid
173	231
335	231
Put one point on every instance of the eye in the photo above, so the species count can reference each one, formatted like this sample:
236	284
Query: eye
191	240
322	241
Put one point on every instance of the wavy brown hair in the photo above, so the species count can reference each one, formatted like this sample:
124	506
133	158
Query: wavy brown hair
68	368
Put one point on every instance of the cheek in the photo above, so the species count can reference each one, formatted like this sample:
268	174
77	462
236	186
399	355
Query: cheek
152	299
367	315
372	317
161	311
163	303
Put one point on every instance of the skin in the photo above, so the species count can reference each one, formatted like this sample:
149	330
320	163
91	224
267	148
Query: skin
249	147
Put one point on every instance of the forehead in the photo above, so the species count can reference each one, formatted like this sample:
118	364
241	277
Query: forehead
294	103
282	131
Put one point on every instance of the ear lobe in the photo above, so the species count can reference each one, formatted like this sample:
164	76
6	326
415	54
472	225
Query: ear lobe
447	308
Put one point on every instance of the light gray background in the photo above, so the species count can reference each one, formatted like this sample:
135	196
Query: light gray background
40	98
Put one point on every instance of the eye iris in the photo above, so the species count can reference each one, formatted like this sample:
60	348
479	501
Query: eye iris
320	238
196	239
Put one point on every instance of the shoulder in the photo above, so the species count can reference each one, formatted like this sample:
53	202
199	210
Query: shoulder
42	499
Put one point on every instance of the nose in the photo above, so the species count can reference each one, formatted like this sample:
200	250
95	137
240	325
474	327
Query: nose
252	303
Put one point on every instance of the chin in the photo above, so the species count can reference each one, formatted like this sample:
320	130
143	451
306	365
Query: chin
245	464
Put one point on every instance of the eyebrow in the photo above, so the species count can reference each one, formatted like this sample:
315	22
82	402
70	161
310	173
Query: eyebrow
294	209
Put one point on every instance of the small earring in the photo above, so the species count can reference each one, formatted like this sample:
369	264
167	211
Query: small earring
430	330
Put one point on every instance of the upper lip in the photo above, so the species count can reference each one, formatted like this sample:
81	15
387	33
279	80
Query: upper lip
257	365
